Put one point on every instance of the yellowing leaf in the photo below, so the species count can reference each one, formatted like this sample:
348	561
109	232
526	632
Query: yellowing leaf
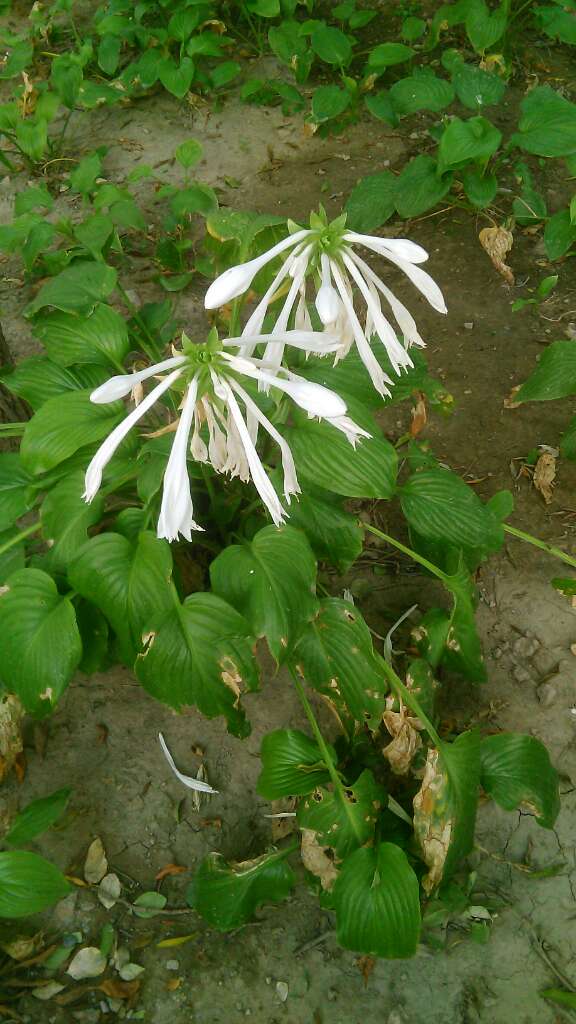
178	940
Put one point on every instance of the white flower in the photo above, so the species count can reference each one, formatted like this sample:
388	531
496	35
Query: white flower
327	253
206	377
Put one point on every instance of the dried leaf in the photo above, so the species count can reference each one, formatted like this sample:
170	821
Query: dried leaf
48	991
22	947
544	475
366	965
170	869
419	416
120	989
510	402
497	242
11	715
406	741
88	963
433	830
96	864
316	860
172	984
109	891
284	826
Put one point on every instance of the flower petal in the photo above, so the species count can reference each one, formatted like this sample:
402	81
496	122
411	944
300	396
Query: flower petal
403	317
176	512
187	780
315	399
377	375
396	352
402	247
106	450
291	485
120	386
234	281
309	341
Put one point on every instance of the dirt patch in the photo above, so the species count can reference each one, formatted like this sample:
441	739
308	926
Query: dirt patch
103	738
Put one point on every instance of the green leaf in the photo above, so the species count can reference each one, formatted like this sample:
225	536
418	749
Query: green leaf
554	376
325	457
225	73
334	535
568	440
419	188
463	141
376	899
149	904
335	655
547	125
558	21
195	199
130	583
476	88
66	518
20	58
372	202
37	379
77	289
386	55
188	153
517	773
343	818
64	424
559	995
14	558
28	884
101	337
39	645
226	894
412	28
331	45
264	8
445	806
84	175
380	105
480	188
559	235
175	78
14	483
292	765
109	54
421	92
201	653
485	27
37	816
94	634
440	506
32	138
328	102
271	580
34	198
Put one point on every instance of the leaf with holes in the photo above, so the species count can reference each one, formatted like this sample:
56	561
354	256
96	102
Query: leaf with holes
517	773
227	894
335	655
343	818
292	765
40	645
201	653
271	580
377	903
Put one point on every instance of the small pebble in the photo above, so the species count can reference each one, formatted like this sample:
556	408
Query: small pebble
547	694
469	326
525	646
172	965
282	991
521	675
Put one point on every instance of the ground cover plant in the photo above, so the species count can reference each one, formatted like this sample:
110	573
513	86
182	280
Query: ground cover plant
175	490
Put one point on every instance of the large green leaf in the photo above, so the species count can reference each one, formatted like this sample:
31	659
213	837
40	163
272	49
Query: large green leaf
37	379
343	818
421	92
201	653
227	894
558	21
463	141
12	559
372	202
440	506
28	884
271	580
79	288
292	764
559	234
445	806
547	125
14	482
476	88
554	376
39	643
386	55
130	583
100	337
331	45
485	27
64	424
517	773
329	101
420	187
336	657
334	535
66	518
451	638
325	457
37	816
376	899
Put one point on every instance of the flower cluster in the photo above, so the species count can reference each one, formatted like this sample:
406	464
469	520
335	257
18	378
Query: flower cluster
219	420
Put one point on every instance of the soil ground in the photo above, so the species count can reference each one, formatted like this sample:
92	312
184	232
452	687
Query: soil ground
122	788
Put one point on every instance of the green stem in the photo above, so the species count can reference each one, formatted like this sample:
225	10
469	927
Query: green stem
19	537
134	312
409	700
550	549
317	734
13	429
407	551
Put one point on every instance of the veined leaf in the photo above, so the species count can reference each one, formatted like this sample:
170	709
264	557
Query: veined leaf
64	424
517	773
37	816
79	288
292	765
227	894
100	337
66	518
372	202
28	884
14	483
325	457
554	376
440	506
343	819
547	125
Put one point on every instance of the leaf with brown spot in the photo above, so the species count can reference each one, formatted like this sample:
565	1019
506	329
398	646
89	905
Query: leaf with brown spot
419	415
316	859
497	242
406	740
168	870
445	806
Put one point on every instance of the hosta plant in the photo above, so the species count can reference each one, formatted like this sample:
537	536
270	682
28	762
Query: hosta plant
240	452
